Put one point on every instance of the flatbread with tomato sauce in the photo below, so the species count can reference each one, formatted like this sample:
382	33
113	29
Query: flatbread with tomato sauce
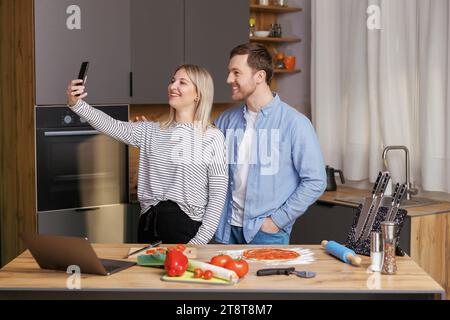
271	254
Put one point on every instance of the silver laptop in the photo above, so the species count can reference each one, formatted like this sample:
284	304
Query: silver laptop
58	253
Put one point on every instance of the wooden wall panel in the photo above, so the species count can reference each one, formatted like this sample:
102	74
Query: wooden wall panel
447	259
17	171
430	245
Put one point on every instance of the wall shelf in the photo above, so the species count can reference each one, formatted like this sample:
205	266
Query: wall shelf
284	71
271	39
273	9
265	16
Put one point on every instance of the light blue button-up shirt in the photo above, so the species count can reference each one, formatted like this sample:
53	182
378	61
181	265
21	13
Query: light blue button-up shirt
286	172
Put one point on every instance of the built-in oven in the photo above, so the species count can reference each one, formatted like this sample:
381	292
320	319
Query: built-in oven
82	176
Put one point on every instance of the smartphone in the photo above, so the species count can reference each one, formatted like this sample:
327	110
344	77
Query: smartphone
83	73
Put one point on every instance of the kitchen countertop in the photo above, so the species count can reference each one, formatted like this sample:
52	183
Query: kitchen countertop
331	197
22	278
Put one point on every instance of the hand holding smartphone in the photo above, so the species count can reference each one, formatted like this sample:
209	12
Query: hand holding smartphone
83	73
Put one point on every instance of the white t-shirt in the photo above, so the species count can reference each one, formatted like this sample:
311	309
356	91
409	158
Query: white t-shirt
241	174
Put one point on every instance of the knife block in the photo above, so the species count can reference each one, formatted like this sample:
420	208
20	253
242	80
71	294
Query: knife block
362	246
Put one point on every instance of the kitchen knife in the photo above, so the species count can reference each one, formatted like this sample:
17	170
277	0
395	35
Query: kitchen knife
396	190
276	271
304	274
375	205
285	271
388	201
391	204
398	199
379	199
144	248
366	206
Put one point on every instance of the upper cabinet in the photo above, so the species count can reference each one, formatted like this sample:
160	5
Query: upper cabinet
68	32
169	33
157	47
213	28
133	46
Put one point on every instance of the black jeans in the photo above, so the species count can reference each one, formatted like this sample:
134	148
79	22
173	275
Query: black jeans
168	223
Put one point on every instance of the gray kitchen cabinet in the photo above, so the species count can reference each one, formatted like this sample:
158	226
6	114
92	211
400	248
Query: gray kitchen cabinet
325	221
68	32
213	28
133	46
157	47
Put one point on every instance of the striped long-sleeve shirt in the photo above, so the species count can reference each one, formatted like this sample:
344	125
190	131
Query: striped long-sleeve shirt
176	163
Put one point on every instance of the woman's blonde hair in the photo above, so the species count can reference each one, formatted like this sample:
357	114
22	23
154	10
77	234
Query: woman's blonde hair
204	86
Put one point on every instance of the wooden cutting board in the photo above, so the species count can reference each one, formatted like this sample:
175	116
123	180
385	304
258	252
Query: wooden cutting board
188	277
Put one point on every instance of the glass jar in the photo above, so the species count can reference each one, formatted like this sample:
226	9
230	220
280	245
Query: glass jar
281	3
388	230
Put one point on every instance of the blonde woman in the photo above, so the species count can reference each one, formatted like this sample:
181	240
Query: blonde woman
183	176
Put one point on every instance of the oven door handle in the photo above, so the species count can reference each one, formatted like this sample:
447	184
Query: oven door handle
87	209
70	133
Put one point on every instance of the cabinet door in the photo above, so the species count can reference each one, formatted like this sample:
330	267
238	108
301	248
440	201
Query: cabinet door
323	221
213	29
157	47
68	32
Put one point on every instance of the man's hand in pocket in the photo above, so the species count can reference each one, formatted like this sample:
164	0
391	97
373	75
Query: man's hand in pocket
269	226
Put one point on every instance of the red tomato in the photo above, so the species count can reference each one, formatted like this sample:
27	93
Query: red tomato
207	275
198	273
238	266
220	260
151	251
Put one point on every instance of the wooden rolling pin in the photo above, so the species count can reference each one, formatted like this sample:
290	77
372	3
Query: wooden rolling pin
343	253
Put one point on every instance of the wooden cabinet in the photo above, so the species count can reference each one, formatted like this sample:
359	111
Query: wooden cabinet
68	32
430	246
17	138
213	29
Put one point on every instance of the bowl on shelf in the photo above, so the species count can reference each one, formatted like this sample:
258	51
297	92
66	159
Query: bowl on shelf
262	34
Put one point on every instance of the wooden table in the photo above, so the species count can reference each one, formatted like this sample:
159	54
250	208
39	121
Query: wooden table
23	279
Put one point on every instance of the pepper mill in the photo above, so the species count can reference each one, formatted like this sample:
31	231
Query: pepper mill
388	230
